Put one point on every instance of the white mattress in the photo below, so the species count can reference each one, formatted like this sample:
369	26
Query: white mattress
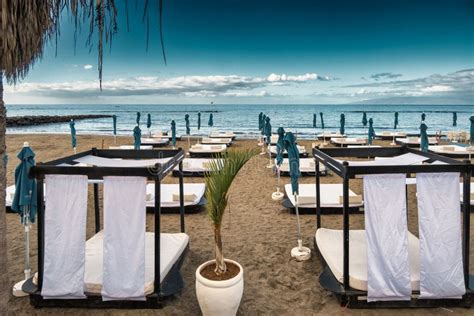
329	135
301	149
403	160
208	148
330	244
393	134
130	147
195	164
306	165
226	141
457	150
117	162
330	194
167	191
415	140
154	141
348	141
171	247
222	135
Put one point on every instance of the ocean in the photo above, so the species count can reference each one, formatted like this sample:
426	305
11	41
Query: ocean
243	118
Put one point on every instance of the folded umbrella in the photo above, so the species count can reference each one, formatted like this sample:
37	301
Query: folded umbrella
424	144
364	119
371	134
137	137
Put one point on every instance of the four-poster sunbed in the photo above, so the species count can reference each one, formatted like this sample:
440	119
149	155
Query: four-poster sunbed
164	253
344	253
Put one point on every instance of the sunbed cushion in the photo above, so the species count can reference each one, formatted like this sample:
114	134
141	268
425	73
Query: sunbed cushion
172	246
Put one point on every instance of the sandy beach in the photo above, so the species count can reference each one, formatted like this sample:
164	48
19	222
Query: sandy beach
258	232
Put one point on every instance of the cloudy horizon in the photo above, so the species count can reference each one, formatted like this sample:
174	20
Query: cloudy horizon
310	52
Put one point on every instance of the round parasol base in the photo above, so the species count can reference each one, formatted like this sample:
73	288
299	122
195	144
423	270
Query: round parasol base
18	289
277	196
393	144
270	166
301	253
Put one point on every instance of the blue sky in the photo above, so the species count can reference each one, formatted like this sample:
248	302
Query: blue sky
269	52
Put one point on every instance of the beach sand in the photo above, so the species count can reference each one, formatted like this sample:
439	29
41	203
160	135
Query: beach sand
258	232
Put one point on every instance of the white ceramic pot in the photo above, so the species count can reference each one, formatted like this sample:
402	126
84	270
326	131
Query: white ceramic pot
219	297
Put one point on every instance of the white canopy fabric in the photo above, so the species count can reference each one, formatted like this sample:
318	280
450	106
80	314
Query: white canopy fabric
64	236
439	217
388	268
124	163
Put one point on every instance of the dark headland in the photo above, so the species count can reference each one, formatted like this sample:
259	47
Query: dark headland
16	121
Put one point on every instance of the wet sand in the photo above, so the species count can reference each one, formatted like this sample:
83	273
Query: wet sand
257	232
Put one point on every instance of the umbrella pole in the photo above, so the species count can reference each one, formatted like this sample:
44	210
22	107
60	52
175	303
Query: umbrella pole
300	253
189	145
75	151
270	164
277	196
27	243
263	148
115	139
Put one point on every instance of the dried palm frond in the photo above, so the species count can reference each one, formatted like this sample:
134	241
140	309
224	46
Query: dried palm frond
28	25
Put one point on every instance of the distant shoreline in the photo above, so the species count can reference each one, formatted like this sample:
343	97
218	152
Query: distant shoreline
31	120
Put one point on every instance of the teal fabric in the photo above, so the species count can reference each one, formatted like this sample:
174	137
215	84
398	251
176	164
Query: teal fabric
186	119
364	119
263	124
211	120
114	123
268	130
293	159
424	138
72	126
148	121
25	188
472	129
371	133
199	120
423	117
173	133
137	137
455	119
260	121
343	124
314	120
395	122
138	118
322	119
280	146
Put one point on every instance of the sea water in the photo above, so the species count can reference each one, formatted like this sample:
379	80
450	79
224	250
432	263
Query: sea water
243	118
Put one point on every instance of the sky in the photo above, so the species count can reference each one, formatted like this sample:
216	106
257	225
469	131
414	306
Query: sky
268	51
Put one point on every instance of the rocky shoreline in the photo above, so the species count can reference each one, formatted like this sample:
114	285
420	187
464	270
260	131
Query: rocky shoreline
16	121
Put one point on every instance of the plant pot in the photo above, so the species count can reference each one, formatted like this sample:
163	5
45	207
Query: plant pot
219	297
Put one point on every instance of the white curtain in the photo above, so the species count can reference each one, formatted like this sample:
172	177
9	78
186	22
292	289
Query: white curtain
388	270
64	236
124	238
439	216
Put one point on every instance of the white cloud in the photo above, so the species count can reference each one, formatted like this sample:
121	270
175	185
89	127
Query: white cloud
87	67
437	88
199	86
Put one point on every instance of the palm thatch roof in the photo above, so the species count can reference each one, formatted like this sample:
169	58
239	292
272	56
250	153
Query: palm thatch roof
28	25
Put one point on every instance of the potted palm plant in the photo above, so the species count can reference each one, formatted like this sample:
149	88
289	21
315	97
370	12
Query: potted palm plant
220	282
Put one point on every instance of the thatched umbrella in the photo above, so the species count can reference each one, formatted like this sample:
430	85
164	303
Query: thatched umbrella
27	26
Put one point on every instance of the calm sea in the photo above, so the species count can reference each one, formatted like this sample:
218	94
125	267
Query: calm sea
243	119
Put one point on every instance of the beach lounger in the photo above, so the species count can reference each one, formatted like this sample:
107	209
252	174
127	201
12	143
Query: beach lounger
206	151
329	135
330	241
390	135
414	141
222	135
155	142
193	197
165	136
307	167
452	151
301	149
194	167
172	248
216	141
345	141
131	147
331	195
